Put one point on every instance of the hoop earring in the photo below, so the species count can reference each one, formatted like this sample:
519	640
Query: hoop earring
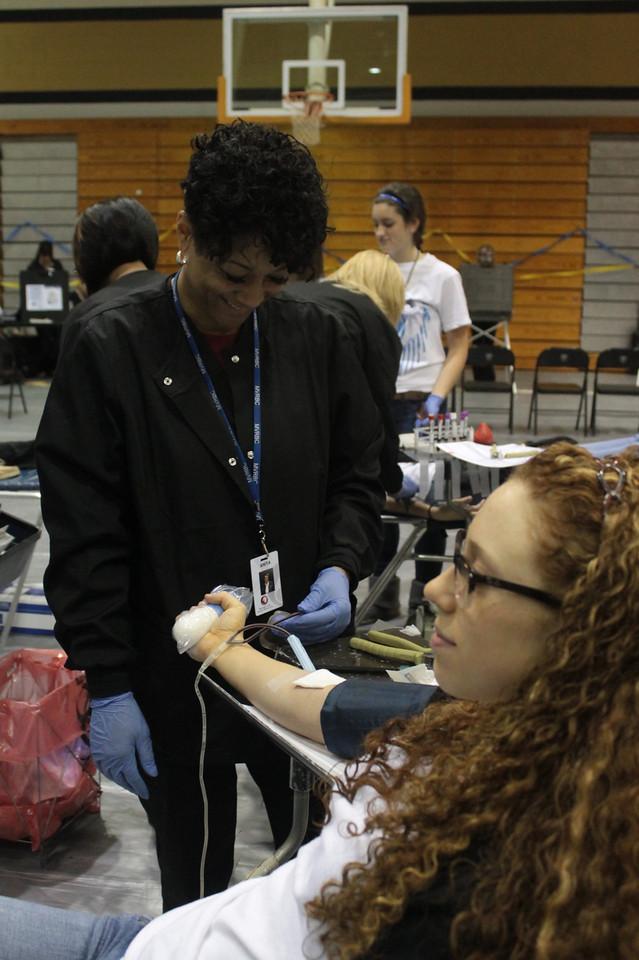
180	258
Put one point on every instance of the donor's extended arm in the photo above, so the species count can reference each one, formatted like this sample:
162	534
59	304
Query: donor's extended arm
339	715
267	683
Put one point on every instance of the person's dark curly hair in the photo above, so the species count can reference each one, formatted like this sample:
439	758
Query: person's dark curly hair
251	181
112	232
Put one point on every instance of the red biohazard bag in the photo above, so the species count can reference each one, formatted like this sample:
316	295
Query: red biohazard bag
46	771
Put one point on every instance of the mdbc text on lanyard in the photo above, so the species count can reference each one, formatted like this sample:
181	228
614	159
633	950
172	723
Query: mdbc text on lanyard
265	569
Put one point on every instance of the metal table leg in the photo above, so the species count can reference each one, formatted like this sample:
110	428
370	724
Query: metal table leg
301	783
404	552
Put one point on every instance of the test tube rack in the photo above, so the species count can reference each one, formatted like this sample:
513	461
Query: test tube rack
443	428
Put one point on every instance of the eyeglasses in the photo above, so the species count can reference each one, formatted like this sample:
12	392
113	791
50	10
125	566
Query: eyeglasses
466	579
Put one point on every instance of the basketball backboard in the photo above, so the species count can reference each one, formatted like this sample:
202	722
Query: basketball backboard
353	58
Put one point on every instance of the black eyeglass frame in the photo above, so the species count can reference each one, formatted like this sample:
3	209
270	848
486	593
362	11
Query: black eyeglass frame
464	569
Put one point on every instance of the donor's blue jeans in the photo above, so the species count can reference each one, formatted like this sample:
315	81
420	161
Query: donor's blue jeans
29	931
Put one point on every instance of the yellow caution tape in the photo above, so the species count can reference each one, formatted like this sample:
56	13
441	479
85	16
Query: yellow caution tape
612	268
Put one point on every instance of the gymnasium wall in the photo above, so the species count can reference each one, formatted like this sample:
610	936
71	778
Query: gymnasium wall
519	183
516	184
451	47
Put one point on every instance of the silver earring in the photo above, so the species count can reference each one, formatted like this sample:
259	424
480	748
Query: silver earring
180	258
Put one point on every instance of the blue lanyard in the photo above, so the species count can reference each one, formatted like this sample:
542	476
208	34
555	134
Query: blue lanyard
252	477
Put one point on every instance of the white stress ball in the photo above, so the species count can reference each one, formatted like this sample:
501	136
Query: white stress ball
190	626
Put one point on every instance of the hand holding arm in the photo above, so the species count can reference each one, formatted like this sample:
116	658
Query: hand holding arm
326	611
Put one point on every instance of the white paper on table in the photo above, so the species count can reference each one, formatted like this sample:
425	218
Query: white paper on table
422	477
417	674
480	453
407	440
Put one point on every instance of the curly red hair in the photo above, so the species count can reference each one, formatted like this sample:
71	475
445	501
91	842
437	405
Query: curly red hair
540	792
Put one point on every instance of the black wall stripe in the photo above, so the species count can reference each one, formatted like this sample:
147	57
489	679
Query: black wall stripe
214	11
209	95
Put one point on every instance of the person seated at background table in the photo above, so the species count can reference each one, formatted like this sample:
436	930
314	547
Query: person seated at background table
44	262
37	356
500	825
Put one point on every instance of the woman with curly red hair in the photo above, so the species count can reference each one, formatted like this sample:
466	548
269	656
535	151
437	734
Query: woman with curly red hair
499	824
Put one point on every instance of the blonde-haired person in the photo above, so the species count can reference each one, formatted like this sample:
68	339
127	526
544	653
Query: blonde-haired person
498	826
367	294
377	276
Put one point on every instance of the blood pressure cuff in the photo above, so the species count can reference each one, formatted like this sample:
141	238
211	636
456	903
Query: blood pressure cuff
355	707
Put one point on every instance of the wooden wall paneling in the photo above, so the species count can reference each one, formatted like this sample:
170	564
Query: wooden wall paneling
516	186
466	190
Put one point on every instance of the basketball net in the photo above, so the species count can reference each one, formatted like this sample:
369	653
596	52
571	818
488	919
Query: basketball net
307	109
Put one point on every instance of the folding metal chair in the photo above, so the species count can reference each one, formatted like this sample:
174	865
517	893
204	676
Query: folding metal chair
621	361
10	374
491	356
565	358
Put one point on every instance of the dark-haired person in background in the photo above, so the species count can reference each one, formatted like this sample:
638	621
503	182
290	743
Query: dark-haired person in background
191	428
113	239
115	249
44	262
37	356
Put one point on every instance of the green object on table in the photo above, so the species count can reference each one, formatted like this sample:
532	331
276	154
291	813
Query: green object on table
391	653
392	640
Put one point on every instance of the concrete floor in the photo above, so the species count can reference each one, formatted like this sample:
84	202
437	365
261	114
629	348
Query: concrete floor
106	863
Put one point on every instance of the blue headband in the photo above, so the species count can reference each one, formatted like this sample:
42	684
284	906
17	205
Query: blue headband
393	199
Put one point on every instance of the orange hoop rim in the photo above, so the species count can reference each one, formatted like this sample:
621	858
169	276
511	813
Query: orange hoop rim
305	100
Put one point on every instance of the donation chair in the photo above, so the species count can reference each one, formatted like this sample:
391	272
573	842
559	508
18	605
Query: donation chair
480	357
622	362
572	359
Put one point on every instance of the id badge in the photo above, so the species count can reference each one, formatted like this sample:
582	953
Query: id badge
266	582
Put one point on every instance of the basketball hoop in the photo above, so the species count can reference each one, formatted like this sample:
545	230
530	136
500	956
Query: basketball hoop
306	108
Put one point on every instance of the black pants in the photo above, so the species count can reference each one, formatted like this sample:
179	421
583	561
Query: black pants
175	811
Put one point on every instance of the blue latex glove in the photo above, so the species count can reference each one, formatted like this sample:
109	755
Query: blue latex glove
433	404
326	611
407	490
119	738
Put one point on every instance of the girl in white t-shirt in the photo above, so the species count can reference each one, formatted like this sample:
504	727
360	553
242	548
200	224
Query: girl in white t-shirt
435	305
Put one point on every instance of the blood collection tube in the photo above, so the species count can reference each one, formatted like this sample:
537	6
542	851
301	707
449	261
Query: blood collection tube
431	428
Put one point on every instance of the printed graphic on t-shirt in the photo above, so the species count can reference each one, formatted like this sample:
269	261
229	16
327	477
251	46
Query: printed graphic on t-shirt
413	332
